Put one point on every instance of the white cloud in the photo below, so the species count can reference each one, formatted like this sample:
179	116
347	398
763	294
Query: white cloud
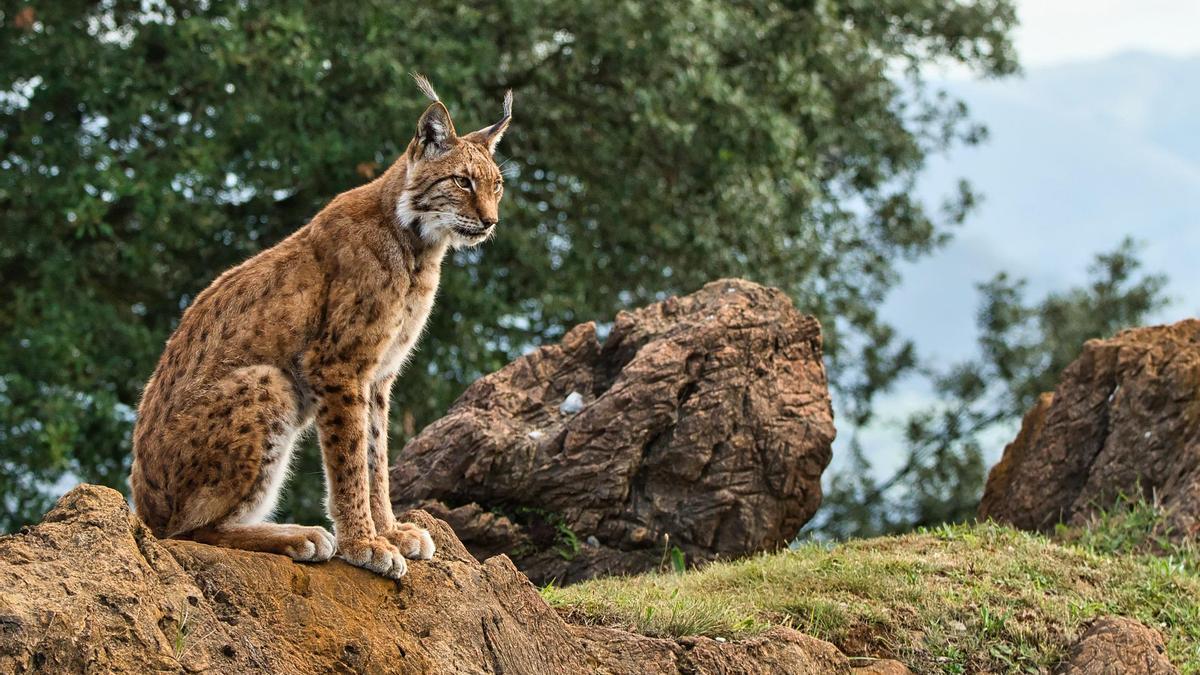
1061	31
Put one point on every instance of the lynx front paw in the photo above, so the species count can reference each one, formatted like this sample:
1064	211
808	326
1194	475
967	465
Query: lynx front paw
412	541
313	544
376	554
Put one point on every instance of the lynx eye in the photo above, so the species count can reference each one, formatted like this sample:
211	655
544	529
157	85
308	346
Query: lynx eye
499	188
463	182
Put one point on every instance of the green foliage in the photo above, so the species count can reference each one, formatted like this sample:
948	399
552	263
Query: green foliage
568	543
1024	346
147	146
977	598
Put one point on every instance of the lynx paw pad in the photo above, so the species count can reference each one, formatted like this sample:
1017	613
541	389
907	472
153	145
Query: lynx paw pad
376	554
412	541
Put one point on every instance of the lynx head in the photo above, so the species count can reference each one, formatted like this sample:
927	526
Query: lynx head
453	186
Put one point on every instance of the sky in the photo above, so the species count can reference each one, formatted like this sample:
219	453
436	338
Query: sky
1054	32
1098	140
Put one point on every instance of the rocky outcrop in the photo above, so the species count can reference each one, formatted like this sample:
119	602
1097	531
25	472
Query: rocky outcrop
1117	646
91	590
1125	418
702	422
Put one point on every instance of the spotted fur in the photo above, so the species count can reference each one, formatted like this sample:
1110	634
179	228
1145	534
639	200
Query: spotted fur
315	328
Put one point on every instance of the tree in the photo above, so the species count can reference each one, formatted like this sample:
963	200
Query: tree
149	145
1024	347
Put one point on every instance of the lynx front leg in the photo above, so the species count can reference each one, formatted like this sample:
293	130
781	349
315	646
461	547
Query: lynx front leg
412	541
342	425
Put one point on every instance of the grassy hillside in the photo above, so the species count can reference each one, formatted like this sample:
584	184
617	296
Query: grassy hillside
956	599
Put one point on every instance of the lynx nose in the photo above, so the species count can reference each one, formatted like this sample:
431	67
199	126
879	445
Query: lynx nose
489	221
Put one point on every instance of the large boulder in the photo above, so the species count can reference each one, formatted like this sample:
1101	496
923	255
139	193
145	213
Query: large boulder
1124	419
91	590
701	422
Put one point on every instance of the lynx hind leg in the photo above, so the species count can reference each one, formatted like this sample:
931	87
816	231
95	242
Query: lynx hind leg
236	467
413	542
306	544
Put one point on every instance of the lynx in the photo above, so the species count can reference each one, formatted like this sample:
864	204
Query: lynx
316	327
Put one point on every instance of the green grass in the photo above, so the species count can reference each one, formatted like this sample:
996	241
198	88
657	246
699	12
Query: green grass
1134	526
955	599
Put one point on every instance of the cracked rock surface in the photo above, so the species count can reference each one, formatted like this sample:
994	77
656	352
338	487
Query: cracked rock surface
91	590
1124	418
702	422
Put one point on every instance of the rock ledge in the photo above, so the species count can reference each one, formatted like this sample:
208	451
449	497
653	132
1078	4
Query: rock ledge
91	590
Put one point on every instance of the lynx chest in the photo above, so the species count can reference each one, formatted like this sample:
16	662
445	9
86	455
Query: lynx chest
411	315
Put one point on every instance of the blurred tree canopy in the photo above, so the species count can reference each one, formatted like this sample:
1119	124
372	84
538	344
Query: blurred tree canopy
146	146
1023	348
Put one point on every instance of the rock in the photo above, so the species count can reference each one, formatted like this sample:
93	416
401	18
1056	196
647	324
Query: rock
1117	646
701	422
883	667
1124	418
91	590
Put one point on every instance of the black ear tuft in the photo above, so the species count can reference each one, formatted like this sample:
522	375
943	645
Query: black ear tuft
435	131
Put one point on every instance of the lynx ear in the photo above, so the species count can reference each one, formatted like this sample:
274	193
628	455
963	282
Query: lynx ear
435	132
490	136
